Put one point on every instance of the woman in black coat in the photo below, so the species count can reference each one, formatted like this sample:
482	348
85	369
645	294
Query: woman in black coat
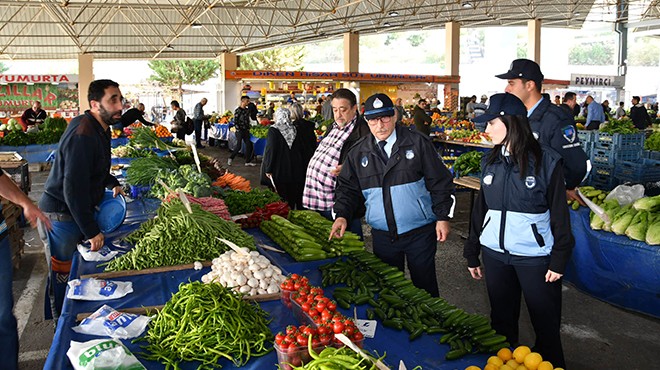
304	146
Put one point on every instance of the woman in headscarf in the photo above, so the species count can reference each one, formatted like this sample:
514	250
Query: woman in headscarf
276	166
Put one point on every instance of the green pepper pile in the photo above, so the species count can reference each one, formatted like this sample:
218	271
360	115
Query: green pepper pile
260	132
468	163
400	305
206	323
653	142
619	126
177	237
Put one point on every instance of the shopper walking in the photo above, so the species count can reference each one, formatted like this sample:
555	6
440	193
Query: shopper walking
277	164
327	161
549	123
8	328
303	147
76	185
408	192
242	124
521	227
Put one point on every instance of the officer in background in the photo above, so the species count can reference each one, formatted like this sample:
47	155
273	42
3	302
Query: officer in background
550	124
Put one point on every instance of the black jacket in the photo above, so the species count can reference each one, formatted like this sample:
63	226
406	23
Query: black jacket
242	118
553	127
524	217
130	116
640	116
422	120
80	173
305	143
411	190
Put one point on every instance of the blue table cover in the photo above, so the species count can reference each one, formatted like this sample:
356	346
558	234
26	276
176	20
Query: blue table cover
156	289
614	268
32	153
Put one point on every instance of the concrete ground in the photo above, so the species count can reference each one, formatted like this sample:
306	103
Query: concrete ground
596	335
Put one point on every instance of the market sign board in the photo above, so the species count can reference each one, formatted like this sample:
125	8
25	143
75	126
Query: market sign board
34	79
18	92
597	81
338	76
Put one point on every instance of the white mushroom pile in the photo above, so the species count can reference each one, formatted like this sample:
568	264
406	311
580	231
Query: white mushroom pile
249	273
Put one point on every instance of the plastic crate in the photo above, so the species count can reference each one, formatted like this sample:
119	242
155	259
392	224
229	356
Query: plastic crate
586	136
619	141
611	156
603	182
651	154
587	147
139	191
644	170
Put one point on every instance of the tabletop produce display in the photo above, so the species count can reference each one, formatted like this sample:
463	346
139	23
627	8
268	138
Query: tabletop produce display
241	202
177	236
468	163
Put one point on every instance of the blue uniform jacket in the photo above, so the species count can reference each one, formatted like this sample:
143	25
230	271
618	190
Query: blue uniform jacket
412	190
525	217
553	127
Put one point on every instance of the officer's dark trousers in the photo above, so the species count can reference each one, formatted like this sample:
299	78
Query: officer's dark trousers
505	279
418	247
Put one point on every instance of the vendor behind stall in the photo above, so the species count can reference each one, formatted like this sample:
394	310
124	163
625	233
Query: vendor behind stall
33	116
134	114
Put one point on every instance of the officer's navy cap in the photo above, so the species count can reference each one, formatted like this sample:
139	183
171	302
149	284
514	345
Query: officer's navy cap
378	105
502	105
523	68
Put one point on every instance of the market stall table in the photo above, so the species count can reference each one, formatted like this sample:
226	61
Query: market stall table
156	289
614	268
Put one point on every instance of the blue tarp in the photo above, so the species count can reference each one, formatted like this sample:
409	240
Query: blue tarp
156	289
614	268
32	153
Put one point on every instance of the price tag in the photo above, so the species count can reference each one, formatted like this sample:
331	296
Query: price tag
367	327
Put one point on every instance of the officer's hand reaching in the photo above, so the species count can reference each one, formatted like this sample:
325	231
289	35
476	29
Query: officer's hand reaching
571	194
338	228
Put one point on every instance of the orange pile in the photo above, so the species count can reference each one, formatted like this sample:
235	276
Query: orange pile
162	131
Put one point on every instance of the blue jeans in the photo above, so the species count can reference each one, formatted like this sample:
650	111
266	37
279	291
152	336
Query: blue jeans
354	225
59	245
8	330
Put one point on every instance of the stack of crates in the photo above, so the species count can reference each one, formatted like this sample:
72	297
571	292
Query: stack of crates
17	168
608	151
642	170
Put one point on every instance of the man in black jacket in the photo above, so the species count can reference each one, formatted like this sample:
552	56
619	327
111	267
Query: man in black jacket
551	125
76	185
421	119
638	114
134	114
242	124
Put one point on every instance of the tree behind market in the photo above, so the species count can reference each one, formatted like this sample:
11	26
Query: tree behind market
174	74
288	58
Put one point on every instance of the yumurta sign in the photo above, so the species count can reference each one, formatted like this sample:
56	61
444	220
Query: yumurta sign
55	92
597	80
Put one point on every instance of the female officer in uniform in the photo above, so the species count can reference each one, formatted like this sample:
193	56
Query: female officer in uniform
521	226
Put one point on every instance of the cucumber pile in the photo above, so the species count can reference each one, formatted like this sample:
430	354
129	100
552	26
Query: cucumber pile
294	239
398	304
319	227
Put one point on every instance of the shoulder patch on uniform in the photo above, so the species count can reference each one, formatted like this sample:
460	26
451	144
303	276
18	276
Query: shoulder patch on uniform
569	133
530	182
365	161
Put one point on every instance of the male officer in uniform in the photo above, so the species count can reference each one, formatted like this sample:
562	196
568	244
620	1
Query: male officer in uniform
408	192
550	124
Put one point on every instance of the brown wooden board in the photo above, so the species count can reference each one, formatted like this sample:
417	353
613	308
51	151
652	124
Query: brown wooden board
155	270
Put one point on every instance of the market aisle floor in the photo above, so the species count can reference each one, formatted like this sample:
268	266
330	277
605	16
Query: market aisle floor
596	335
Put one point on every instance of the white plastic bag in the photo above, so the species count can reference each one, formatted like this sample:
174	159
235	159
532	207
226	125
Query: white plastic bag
106	321
98	290
102	354
626	194
103	254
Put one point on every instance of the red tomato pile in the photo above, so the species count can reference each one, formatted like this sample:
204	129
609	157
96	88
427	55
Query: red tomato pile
321	311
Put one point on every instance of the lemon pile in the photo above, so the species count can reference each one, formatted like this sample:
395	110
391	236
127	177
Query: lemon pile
522	358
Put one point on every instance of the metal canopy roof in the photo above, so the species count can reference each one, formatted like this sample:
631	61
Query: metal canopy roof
143	29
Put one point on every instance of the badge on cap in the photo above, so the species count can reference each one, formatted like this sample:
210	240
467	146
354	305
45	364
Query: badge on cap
365	161
378	103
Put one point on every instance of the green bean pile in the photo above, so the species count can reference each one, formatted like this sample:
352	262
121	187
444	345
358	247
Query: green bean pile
177	237
207	322
143	171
